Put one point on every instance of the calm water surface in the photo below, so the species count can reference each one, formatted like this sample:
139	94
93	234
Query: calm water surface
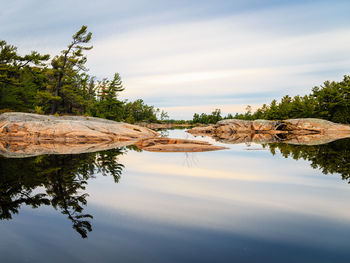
277	203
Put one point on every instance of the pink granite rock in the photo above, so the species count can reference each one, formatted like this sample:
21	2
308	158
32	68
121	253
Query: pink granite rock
26	126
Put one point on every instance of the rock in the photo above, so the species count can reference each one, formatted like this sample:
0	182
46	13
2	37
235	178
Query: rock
233	126
202	130
314	125
265	125
297	126
297	131
175	145
25	134
25	126
236	126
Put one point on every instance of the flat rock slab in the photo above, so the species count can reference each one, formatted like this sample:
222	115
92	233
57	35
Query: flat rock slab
25	126
176	145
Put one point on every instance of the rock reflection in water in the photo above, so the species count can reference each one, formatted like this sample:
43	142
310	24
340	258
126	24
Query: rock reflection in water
19	149
291	138
63	177
328	152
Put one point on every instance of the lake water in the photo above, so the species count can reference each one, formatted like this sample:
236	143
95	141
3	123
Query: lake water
249	203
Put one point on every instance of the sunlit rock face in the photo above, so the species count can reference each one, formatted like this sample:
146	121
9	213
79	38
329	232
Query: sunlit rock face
315	125
25	126
203	130
297	131
175	145
237	126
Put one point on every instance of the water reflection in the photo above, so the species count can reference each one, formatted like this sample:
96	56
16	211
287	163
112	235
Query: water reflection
328	152
63	179
60	180
261	138
331	158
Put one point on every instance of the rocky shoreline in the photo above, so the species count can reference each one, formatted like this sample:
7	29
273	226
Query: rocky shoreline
26	134
296	131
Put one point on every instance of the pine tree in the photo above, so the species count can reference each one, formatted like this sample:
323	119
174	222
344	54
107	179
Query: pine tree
69	64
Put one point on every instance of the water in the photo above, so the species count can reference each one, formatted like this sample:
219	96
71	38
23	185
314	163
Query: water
244	204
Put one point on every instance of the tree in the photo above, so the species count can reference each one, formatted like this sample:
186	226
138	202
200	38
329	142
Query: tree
108	105
20	76
70	62
164	115
215	116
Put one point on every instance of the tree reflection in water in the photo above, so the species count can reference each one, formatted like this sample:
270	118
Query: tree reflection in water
330	158
64	178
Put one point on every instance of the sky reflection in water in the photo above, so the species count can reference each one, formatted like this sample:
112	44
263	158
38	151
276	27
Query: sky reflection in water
239	205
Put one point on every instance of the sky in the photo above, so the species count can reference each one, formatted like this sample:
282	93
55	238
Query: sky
189	57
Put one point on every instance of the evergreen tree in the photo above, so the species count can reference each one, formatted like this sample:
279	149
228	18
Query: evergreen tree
68	65
19	77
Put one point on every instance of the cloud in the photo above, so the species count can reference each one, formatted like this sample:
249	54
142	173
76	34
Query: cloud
178	54
220	56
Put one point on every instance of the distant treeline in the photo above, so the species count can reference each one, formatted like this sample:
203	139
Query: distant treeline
61	85
330	101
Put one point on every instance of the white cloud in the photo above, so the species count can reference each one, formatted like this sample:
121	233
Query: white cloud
165	53
220	56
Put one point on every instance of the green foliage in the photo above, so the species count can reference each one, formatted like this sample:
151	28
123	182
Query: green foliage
20	77
107	105
330	101
139	111
39	110
28	84
66	69
214	117
164	116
